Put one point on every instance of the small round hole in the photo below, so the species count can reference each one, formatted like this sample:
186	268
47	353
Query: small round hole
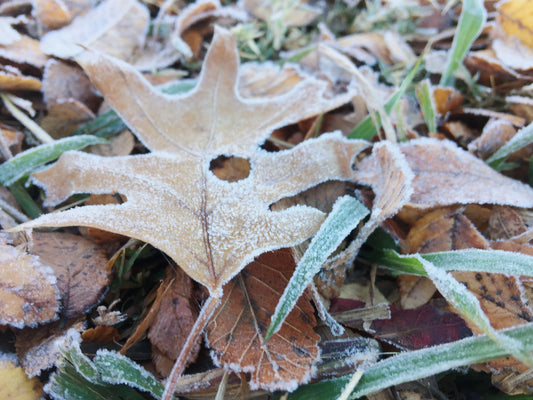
230	169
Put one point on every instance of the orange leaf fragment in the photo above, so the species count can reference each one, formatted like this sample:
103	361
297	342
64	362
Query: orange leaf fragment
28	292
516	19
236	331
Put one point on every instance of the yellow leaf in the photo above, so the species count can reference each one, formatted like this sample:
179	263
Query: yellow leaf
516	19
15	385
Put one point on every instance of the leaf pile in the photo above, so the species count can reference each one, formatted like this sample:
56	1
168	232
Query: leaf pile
259	210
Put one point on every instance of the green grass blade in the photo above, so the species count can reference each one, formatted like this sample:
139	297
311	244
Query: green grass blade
105	125
24	200
114	368
366	128
425	98
522	138
414	365
469	307
471	21
494	261
346	214
25	162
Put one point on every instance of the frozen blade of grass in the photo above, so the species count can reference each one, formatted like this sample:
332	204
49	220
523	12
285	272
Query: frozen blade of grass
346	214
24	199
117	369
423	92
25	120
468	305
414	365
25	162
473	17
521	139
366	129
494	261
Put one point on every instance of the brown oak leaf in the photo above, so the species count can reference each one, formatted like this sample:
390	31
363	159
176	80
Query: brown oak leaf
236	332
212	228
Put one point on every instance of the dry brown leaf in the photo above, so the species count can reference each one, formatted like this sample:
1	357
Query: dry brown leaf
505	223
53	14
12	79
390	177
24	51
174	320
445	174
495	134
114	27
37	348
28	289
196	212
15	385
63	82
440	230
235	333
79	266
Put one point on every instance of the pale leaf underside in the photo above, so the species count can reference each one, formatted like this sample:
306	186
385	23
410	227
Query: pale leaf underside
210	227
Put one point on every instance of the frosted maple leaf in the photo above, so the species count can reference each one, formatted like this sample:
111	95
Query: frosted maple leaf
210	227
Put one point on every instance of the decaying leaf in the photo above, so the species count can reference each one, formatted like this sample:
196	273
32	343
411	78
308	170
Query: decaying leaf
235	333
410	329
445	174
28	291
15	385
174	319
79	265
114	27
37	347
195	211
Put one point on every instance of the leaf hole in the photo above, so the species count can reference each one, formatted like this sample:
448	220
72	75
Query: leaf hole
230	169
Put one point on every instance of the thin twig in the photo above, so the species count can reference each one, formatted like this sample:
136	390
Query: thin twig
179	366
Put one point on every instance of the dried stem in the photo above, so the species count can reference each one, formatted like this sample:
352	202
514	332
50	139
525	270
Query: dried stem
203	319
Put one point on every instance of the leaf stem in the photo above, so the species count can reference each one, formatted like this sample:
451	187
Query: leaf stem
179	366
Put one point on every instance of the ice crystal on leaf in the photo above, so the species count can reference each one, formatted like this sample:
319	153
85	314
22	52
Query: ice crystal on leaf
210	227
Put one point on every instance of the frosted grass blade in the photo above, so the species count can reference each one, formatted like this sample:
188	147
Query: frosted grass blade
468	305
471	21
366	128
114	368
414	365
522	138
25	162
494	261
423	93
346	214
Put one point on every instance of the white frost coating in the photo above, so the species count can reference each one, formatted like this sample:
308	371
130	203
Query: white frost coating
437	181
9	357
